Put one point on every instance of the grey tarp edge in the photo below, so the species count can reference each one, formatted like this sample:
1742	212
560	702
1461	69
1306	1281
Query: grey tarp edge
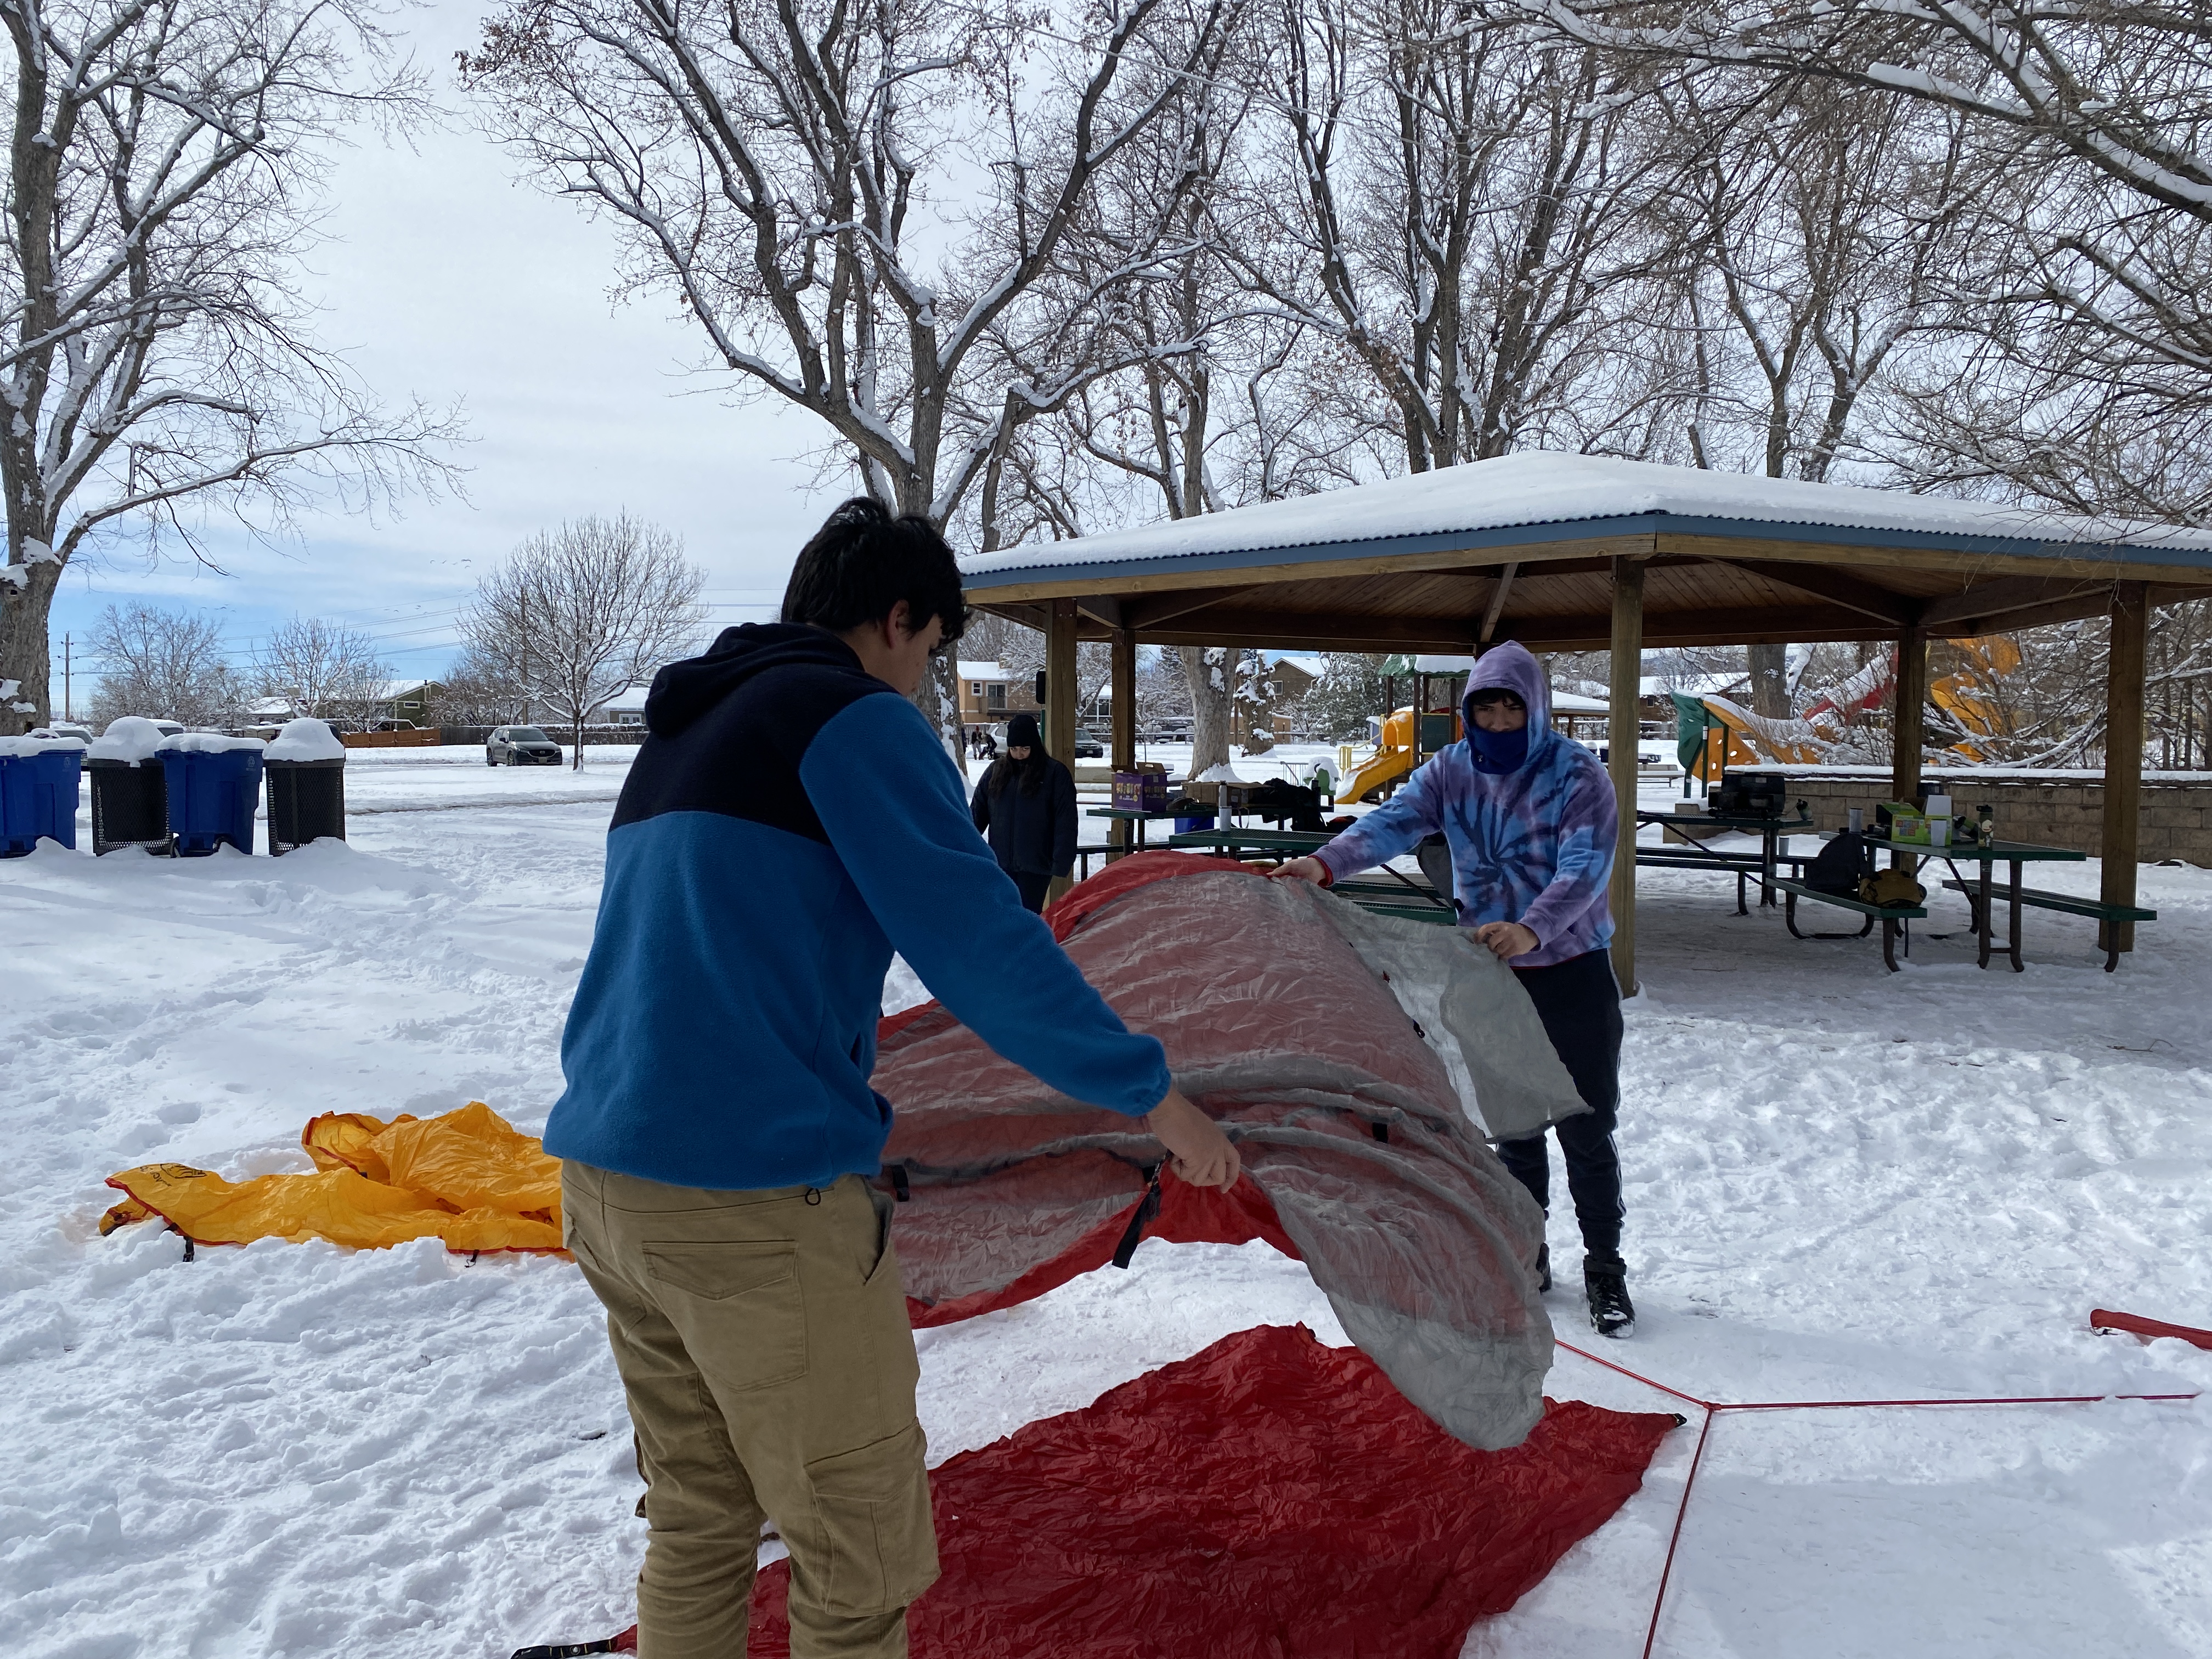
1472	1012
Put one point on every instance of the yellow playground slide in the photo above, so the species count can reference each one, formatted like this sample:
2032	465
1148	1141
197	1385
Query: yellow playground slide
1383	769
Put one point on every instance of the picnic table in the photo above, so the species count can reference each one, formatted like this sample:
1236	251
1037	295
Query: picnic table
1125	815
1700	856
1982	890
1400	895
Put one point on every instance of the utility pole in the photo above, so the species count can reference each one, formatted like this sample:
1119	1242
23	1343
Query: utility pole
68	705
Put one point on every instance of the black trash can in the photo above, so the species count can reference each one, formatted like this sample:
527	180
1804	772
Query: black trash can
130	806
307	802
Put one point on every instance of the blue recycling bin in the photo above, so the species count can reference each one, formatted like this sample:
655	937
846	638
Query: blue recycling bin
212	795
39	795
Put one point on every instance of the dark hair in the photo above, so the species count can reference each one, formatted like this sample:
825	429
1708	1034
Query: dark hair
863	561
1021	733
1483	695
1030	772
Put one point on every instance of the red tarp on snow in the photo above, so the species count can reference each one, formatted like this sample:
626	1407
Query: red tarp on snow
1267	1498
1285	1017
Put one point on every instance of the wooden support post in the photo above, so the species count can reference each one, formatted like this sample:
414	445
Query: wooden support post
1059	683
2124	747
1060	700
1624	736
1907	733
1124	745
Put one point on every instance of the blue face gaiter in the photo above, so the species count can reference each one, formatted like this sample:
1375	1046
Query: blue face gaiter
1497	751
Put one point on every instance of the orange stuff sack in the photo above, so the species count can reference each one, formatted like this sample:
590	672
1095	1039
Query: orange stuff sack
467	1177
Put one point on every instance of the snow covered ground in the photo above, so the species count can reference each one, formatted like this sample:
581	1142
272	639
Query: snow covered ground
1843	1183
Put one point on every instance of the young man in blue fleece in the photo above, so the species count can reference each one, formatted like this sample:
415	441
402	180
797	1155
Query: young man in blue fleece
791	820
1530	821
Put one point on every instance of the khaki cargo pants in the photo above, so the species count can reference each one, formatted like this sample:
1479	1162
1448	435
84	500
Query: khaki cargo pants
763	1343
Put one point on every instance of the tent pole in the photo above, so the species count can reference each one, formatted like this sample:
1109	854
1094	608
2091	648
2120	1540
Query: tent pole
1908	727
1060	697
1623	739
2124	747
1125	720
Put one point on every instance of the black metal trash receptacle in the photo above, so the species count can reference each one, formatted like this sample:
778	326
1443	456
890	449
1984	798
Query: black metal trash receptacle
130	806
307	802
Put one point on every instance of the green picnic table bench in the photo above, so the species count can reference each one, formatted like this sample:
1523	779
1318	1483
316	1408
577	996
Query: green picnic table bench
1891	916
2042	898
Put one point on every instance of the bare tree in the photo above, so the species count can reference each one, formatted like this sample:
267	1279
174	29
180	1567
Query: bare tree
2090	384
1462	215
479	692
324	670
793	171
164	664
154	351
580	612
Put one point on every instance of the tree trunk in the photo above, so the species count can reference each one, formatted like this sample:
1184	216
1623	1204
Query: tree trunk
24	650
1209	704
1770	681
938	696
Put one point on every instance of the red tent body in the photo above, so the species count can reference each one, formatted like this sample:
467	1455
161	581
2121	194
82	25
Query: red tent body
1267	1498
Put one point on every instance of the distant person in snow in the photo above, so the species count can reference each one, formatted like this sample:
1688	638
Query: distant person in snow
1025	807
1529	820
790	821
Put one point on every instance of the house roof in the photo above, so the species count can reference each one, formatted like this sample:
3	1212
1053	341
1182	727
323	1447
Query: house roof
1522	547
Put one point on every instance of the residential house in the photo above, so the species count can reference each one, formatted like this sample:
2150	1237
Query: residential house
989	692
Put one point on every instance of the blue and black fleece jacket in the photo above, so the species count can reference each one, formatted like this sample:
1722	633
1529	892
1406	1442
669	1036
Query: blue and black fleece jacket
789	822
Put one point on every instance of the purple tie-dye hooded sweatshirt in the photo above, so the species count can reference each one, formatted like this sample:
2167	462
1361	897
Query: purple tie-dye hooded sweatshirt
1533	845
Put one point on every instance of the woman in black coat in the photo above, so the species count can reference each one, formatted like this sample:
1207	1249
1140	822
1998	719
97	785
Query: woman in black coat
1025	807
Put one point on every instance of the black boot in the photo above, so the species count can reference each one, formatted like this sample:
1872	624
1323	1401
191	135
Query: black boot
1612	1314
1543	1269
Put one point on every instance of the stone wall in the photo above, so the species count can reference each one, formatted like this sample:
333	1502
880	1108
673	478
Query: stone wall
2058	811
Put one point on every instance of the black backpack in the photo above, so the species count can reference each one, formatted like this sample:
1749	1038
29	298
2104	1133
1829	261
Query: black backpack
1841	865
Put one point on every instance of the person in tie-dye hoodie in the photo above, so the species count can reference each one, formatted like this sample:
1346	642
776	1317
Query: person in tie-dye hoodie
1529	818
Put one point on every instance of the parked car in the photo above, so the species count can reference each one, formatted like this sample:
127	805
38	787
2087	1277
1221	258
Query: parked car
520	745
71	729
1087	746
166	728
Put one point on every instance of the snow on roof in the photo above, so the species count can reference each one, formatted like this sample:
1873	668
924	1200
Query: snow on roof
630	700
983	670
1487	499
1571	703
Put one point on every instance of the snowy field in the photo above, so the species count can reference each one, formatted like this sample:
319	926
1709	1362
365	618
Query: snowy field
1843	1183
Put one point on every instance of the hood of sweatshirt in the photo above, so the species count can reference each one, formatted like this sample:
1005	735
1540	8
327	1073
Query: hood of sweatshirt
683	691
1511	667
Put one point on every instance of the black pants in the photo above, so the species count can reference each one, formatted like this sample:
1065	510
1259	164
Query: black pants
1579	1003
1033	889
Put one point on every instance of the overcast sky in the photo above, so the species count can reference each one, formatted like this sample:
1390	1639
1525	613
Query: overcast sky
450	278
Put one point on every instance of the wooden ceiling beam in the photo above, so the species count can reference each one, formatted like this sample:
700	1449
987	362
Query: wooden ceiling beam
1993	603
1899	610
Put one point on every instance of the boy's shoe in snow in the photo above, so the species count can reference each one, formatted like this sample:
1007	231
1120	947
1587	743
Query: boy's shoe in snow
1612	1314
1543	1269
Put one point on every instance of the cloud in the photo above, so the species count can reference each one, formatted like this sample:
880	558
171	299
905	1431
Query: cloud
447	278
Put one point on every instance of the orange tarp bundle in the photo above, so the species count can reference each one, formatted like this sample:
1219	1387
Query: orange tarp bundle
467	1176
